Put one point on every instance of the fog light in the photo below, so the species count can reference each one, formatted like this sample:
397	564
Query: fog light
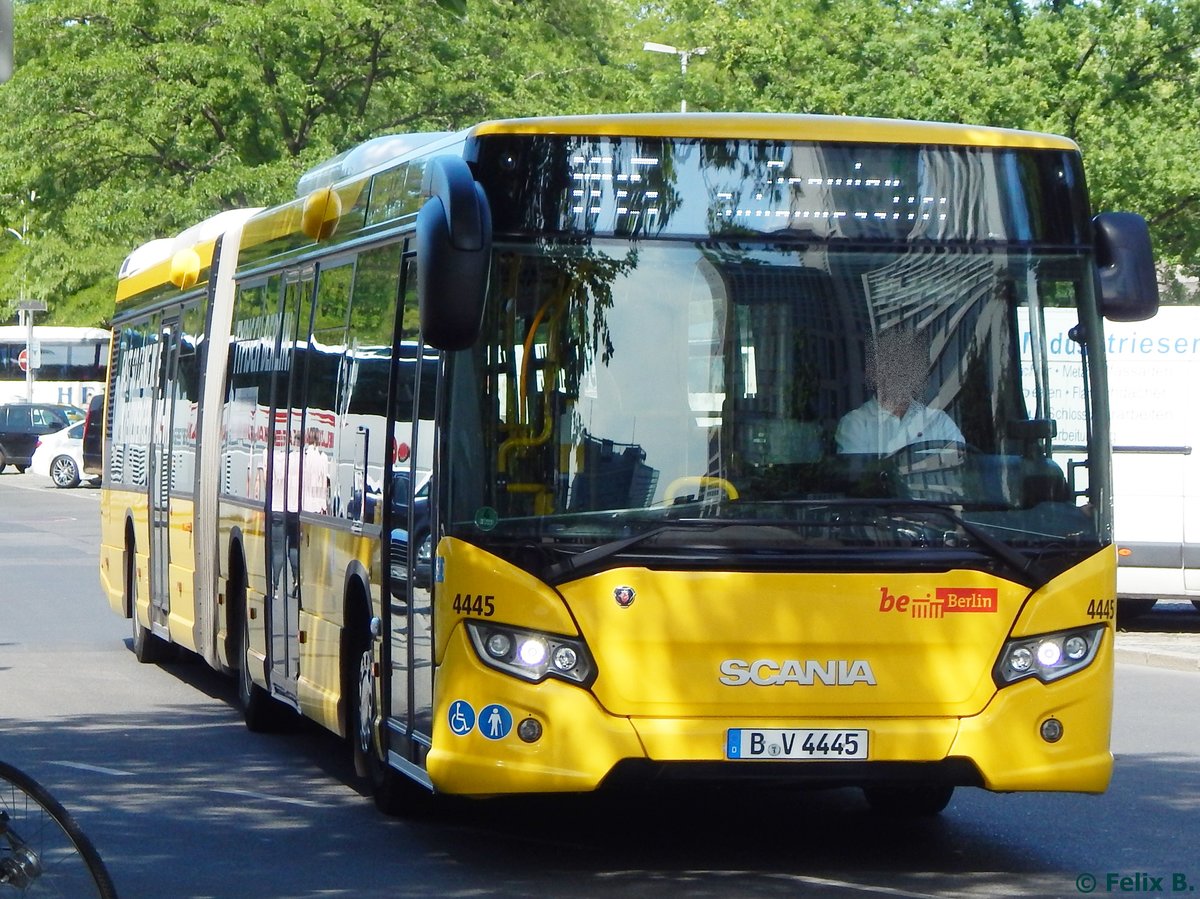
499	645
530	730
1052	730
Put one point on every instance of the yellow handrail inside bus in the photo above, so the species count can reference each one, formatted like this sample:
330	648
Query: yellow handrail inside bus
703	482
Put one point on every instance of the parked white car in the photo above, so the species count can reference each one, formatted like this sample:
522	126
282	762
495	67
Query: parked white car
59	456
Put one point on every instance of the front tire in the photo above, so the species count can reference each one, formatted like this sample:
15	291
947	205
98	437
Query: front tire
64	472
45	850
394	793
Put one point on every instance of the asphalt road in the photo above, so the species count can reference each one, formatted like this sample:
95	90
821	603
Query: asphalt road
182	801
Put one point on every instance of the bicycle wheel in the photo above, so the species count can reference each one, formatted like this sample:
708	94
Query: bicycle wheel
42	850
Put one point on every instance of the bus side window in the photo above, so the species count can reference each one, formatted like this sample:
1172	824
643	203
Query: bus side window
326	370
362	394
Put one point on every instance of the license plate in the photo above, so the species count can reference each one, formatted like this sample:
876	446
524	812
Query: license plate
773	745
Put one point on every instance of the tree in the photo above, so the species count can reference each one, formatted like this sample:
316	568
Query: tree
140	117
135	120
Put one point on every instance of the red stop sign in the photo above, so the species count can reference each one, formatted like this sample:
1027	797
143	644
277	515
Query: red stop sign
23	359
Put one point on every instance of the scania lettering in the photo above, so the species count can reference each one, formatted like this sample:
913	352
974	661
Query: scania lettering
766	673
558	454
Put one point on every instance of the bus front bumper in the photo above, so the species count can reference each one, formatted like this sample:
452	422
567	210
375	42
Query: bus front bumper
478	748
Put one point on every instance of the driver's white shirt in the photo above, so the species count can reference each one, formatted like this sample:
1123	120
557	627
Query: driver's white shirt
873	429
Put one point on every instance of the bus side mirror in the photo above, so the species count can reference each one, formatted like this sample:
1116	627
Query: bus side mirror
1128	282
454	245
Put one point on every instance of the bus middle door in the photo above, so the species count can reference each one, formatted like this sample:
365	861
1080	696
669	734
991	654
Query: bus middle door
158	478
284	480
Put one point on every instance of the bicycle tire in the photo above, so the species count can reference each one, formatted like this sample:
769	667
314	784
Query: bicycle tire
43	851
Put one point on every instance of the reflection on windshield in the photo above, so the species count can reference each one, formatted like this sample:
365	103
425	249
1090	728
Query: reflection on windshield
675	382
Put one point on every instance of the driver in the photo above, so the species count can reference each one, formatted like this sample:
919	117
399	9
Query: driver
897	368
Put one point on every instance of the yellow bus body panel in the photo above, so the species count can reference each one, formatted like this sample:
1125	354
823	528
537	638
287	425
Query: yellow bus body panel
683	626
581	744
659	695
517	597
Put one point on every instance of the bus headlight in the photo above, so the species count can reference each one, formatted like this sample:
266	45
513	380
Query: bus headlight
1047	657
531	655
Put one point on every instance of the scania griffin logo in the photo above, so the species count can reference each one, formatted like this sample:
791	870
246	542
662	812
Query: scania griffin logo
806	672
624	596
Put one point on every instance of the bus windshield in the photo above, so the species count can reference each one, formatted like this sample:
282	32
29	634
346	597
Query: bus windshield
743	394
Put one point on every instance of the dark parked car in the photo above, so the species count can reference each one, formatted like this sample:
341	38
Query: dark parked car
93	436
423	564
21	424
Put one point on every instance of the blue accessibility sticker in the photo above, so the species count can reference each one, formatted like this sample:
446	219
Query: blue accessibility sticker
495	722
461	717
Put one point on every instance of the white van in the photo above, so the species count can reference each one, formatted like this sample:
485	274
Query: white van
1154	386
1154	390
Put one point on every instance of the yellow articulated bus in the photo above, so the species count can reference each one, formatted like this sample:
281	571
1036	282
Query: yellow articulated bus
563	453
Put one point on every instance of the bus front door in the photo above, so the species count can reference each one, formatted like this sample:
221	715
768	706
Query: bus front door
413	537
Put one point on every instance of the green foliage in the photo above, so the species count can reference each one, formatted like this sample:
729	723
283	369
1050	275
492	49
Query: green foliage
136	119
131	119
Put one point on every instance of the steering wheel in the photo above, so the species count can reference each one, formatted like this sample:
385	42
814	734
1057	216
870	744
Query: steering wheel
932	469
931	455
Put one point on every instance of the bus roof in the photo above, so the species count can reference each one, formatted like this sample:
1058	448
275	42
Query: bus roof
150	264
778	126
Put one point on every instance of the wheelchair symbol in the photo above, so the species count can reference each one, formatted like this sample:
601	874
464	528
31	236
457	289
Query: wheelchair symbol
461	717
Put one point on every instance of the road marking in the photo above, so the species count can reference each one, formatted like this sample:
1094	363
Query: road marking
306	803
95	769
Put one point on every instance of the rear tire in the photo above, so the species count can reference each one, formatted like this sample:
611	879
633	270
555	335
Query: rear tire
64	472
147	647
261	713
908	800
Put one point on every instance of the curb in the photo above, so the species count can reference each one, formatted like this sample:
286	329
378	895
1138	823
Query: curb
1156	659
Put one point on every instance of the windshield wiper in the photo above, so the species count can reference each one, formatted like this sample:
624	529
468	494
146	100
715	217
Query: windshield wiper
590	557
1026	569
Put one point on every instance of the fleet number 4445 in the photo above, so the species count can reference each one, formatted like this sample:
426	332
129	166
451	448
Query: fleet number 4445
1103	609
479	605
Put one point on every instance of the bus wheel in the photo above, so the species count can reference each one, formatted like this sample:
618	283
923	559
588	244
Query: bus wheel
147	646
909	800
261	713
394	793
